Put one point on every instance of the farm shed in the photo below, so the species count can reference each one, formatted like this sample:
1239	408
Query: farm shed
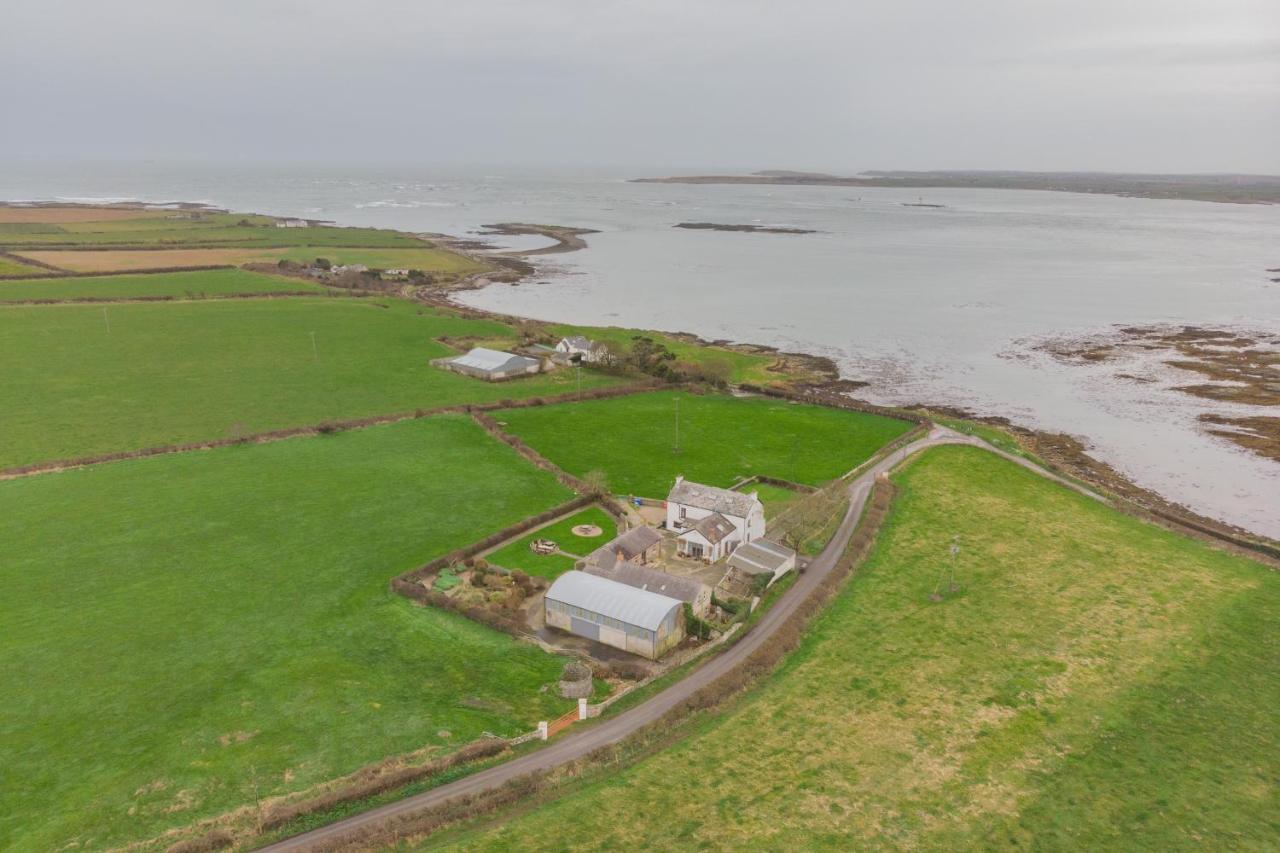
691	591
639	545
763	557
491	364
634	620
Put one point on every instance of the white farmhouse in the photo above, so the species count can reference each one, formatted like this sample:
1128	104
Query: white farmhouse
292	223
712	522
587	350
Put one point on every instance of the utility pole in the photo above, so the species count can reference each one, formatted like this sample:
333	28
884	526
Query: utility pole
579	380
955	554
315	351
106	319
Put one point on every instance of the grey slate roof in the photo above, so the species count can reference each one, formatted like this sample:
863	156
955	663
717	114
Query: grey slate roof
713	528
634	542
652	580
638	607
760	556
494	361
581	342
724	501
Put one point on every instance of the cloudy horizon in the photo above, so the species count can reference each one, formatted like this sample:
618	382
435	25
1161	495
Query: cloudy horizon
1145	85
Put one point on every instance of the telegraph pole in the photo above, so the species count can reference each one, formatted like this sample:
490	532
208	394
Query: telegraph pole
315	351
677	424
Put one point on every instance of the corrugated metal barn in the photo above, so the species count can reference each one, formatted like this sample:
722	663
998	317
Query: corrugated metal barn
635	620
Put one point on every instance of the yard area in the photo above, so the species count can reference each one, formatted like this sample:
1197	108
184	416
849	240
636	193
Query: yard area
518	554
188	633
1095	683
722	439
180	284
88	379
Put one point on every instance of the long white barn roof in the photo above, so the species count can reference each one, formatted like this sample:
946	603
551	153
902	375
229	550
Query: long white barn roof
492	360
637	607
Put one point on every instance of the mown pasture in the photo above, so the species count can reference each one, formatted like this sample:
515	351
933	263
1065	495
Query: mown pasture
518	555
187	634
642	442
9	266
195	284
1094	683
82	380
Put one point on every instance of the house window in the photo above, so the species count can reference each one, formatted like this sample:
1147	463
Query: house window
693	549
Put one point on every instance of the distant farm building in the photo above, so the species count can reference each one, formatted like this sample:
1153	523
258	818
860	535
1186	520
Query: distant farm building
395	273
634	620
292	223
639	545
691	591
578	345
491	364
712	522
763	557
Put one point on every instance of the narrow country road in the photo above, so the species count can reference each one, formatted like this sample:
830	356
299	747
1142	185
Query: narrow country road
578	744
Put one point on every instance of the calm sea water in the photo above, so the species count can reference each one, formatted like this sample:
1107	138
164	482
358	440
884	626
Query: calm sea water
938	305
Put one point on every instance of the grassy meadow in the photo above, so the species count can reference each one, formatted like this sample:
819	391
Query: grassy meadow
186	634
1095	683
195	284
517	554
81	380
9	266
722	439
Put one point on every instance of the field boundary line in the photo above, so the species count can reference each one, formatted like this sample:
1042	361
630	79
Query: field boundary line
171	298
322	428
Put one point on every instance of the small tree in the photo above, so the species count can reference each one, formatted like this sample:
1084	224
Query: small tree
597	483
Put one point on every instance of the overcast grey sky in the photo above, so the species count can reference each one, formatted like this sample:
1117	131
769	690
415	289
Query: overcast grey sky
1150	85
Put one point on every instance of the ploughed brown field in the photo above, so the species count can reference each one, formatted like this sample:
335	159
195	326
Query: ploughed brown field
59	215
141	259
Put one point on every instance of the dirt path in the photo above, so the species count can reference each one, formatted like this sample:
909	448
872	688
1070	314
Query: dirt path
587	740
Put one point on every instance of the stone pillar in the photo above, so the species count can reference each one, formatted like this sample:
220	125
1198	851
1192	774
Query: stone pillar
542	730
582	709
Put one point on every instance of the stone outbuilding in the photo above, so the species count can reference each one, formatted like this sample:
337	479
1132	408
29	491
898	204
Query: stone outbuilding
691	591
638	545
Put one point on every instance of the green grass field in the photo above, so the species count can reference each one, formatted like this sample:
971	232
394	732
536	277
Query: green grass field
8	266
194	284
774	498
517	554
78	381
722	439
184	634
1096	684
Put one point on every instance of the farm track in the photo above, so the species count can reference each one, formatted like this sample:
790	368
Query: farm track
577	746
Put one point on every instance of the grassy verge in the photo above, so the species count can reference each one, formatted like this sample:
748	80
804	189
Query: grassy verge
1080	690
210	629
721	439
518	555
195	285
80	380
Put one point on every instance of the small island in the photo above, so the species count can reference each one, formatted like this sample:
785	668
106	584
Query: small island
753	229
